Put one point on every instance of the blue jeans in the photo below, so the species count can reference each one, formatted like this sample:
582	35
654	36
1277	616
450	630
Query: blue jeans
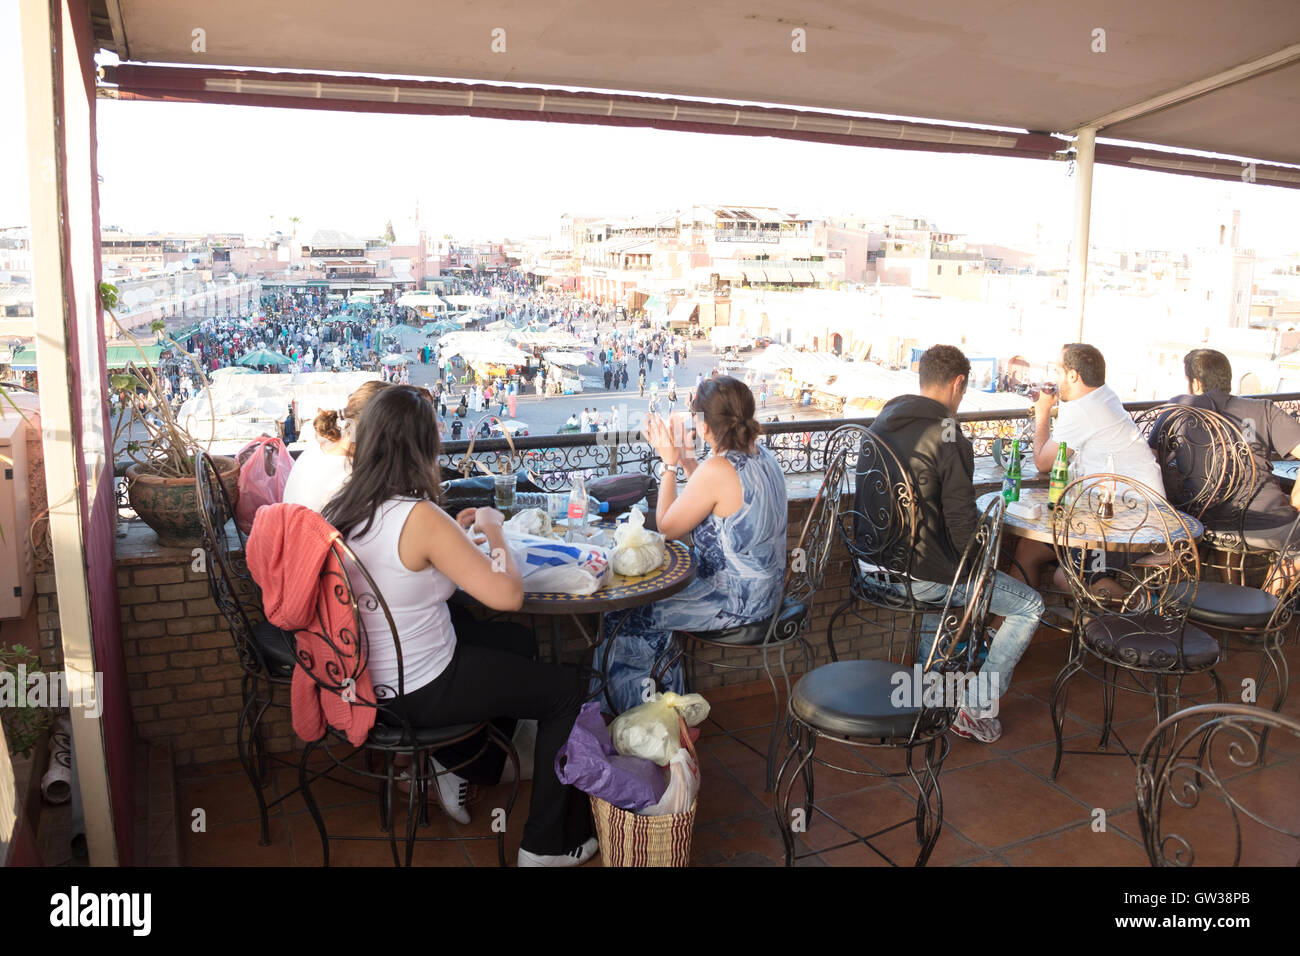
1021	608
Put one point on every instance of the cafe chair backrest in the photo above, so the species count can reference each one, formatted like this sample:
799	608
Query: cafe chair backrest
1107	525
233	588
1205	462
951	661
336	658
1196	803
880	529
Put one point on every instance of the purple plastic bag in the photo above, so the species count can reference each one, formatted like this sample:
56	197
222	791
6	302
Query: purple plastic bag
589	762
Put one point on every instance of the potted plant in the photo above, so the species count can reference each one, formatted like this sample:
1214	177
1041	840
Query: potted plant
160	479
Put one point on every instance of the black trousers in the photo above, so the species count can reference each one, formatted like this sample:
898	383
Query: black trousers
486	682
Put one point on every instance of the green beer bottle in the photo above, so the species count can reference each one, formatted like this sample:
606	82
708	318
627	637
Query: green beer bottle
1059	478
1011	480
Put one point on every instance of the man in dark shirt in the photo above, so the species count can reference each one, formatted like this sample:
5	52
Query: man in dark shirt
1271	434
922	431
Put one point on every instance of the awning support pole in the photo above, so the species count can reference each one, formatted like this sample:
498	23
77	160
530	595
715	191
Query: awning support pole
1078	280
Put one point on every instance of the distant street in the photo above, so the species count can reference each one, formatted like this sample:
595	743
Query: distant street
546	415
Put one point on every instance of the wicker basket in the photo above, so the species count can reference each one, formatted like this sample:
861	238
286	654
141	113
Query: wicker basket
631	839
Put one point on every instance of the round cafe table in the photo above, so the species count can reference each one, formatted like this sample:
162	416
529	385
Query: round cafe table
1087	526
1087	529
619	593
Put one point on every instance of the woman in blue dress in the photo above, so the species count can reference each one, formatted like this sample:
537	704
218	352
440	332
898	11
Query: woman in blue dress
734	508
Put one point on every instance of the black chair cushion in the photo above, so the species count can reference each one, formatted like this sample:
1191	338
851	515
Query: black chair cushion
276	647
1228	605
388	735
853	699
1146	640
793	614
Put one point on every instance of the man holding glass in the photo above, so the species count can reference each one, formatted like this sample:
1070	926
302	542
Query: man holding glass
1099	434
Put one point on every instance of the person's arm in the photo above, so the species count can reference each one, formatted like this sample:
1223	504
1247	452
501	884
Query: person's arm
676	517
1044	450
960	516
432	537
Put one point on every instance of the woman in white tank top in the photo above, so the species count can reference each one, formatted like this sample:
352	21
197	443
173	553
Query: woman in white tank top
418	555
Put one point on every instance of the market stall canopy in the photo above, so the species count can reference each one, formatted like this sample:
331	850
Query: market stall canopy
481	347
466	301
422	300
119	356
393	358
435	328
557	339
567	359
400	329
1213	77
264	357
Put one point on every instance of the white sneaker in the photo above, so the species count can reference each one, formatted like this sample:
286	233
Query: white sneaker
984	729
452	790
575	857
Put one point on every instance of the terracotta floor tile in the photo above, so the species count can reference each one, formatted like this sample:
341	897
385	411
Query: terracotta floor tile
901	847
1098	781
338	789
235	844
228	798
865	813
724	795
364	821
746	713
998	803
748	841
1078	846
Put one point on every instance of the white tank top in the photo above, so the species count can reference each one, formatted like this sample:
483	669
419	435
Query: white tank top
417	600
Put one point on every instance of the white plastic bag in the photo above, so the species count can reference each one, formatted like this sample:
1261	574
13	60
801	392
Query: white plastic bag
650	730
683	786
557	566
637	550
532	521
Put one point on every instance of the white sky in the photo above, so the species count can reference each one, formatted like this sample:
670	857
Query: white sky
176	167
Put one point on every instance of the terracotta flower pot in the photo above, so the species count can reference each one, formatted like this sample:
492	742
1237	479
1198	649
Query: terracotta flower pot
170	506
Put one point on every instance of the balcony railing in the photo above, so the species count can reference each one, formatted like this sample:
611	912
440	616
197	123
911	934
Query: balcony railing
799	446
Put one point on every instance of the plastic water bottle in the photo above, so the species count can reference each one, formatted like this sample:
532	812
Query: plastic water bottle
578	511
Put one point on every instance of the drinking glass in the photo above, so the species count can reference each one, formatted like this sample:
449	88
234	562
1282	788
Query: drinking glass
503	492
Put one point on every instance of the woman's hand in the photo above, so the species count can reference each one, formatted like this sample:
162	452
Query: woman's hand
661	438
487	519
466	518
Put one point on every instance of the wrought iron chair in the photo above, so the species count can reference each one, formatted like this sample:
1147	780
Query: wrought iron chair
340	669
855	704
1207	765
804	574
1136	637
1211	473
879	532
265	652
1257	619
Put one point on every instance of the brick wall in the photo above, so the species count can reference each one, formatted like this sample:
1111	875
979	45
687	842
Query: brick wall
182	670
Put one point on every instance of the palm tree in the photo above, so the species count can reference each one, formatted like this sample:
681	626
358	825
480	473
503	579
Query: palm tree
293	221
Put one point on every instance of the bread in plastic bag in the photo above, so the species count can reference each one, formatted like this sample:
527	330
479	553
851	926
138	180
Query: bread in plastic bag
637	550
650	730
532	521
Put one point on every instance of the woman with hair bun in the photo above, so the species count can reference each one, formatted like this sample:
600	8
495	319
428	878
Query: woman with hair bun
734	508
323	467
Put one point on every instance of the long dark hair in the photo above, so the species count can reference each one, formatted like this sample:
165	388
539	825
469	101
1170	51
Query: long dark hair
727	405
396	455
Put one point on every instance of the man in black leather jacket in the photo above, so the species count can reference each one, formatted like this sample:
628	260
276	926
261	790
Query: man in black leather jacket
922	430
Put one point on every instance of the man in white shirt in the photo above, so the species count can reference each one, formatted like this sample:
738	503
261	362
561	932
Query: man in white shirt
1099	435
